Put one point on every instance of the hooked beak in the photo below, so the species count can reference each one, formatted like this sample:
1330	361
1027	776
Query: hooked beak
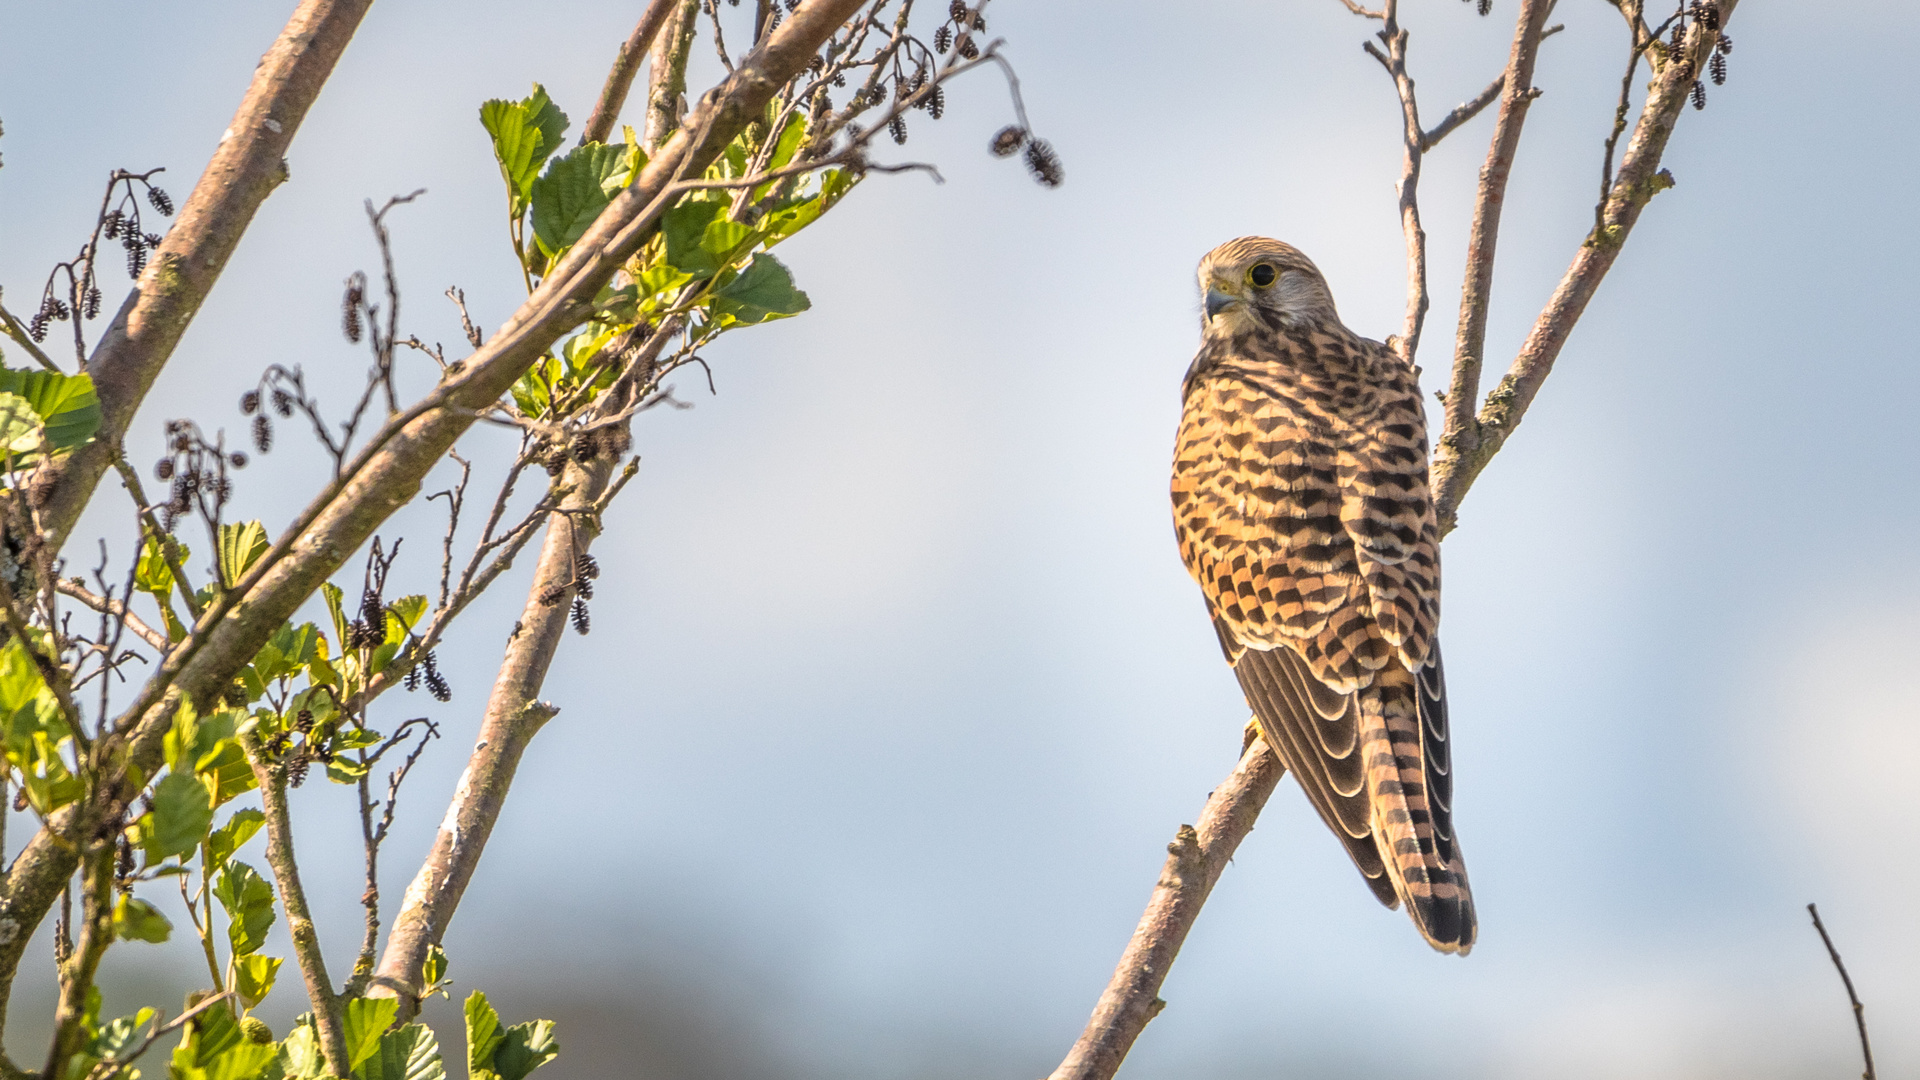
1218	301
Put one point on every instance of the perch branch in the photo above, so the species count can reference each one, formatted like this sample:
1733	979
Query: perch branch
115	608
1195	861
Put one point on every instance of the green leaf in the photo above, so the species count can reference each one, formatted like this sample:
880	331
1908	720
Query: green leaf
137	920
253	977
333	596
684	226
118	1037
193	741
182	811
300	1055
241	545
408	1052
574	190
20	681
408	609
66	404
210	1034
231	837
246	1060
227	773
366	1019
483	1032
525	1048
432	970
805	210
21	435
248	901
761	292
524	133
788	143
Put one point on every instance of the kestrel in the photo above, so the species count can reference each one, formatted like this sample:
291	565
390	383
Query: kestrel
1300	501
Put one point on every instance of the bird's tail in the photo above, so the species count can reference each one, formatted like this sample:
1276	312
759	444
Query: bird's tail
1412	823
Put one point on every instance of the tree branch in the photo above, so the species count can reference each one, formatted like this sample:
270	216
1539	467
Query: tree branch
514	716
620	78
114	608
1859	1010
248	164
1195	860
1394	36
1459	433
286	874
1639	180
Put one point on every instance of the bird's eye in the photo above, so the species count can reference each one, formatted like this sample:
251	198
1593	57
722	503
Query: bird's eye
1262	275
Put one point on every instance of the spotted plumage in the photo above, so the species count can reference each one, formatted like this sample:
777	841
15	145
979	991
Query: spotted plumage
1300	501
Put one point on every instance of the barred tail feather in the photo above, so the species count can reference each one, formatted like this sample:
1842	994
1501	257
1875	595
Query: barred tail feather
1399	737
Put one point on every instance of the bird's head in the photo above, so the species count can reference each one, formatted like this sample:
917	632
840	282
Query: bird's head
1254	282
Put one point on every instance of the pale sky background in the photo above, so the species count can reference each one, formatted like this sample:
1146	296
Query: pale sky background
897	689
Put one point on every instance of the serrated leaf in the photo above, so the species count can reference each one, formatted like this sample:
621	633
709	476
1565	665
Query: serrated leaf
241	545
210	1034
574	190
253	977
408	1052
152	574
182	810
483	1032
136	920
788	143
762	292
248	901
66	404
231	837
524	1048
364	1021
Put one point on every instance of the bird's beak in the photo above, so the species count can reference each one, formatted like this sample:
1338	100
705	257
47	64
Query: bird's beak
1218	301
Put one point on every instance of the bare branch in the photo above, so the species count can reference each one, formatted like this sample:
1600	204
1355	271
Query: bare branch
1195	860
625	66
1459	433
1365	13
1859	1010
249	163
1457	465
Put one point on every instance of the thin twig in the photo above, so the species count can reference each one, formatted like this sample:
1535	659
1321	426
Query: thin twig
118	609
1859	1010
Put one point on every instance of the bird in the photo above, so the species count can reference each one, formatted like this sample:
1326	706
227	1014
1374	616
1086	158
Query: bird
1301	507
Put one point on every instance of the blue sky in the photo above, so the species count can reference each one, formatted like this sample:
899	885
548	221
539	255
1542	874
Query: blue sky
897	688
